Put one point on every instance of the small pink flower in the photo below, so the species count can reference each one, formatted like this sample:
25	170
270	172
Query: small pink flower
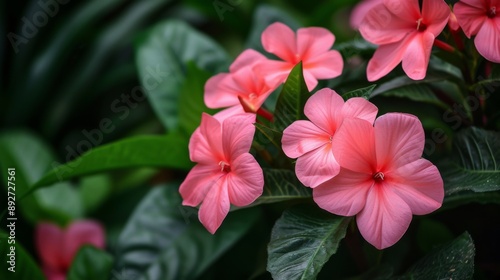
57	247
383	180
311	45
226	172
360	10
242	86
311	141
481	18
405	34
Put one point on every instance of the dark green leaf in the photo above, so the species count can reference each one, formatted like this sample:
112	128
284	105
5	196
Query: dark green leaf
281	185
91	263
454	260
475	162
264	16
169	151
265	135
164	240
302	241
362	92
32	158
355	47
161	62
94	190
191	103
292	99
24	267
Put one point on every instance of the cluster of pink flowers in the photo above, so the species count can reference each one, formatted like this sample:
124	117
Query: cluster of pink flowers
355	164
406	32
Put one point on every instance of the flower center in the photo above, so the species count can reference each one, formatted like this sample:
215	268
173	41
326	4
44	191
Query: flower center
379	176
224	167
252	96
492	12
421	27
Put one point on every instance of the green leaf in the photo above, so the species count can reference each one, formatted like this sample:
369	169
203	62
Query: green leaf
356	47
169	151
264	16
32	158
454	260
475	162
164	240
265	135
191	103
362	92
302	241
161	61
24	266
292	99
281	185
94	190
90	263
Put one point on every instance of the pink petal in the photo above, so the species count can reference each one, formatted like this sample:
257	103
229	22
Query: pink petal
311	81
359	12
487	40
385	217
48	242
435	14
79	233
215	207
408	10
419	184
313	41
54	274
469	16
354	146
417	55
321	108
317	166
325	66
399	139
360	108
302	137
198	183
247	58
279	39
237	135
480	4
275	72
381	27
385	59
230	112
220	92
211	132
345	194
245	181
252	87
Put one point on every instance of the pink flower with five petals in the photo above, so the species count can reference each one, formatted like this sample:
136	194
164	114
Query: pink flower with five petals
481	18
310	45
383	180
311	141
225	173
403	33
57	247
241	86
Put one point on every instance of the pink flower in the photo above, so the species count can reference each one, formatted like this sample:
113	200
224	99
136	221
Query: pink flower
311	141
311	46
57	247
242	86
359	12
404	33
481	18
226	172
383	180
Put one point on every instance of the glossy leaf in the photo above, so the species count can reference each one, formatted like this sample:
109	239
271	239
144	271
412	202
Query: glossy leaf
91	263
24	266
302	241
164	240
292	99
281	185
362	92
454	260
161	63
169	151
